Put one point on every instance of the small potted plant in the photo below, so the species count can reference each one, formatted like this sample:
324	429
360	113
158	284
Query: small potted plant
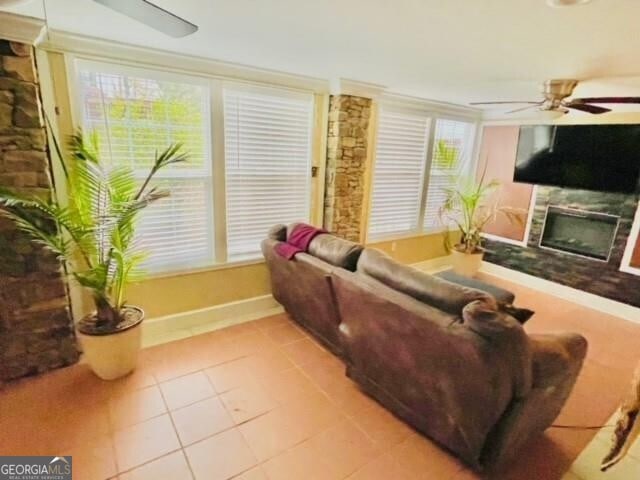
466	208
93	234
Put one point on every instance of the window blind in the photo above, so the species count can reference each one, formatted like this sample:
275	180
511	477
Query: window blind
267	163
135	114
401	152
450	159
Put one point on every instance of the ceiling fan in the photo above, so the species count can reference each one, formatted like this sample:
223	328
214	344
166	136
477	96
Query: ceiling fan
555	94
141	10
152	15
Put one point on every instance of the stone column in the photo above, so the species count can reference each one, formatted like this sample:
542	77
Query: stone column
36	329
347	150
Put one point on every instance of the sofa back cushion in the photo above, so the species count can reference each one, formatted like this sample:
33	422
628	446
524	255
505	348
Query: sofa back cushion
447	296
336	251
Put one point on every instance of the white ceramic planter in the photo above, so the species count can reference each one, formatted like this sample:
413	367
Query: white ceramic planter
466	264
115	355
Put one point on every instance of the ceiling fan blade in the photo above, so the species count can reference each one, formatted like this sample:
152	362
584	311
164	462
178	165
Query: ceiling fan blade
585	107
153	16
607	100
523	108
503	103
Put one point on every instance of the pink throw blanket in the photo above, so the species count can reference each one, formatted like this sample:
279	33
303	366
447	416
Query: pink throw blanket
298	241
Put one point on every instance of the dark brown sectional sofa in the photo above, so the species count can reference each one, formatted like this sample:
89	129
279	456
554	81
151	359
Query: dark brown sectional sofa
441	356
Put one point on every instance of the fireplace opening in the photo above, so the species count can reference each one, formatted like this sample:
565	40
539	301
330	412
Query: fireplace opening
579	232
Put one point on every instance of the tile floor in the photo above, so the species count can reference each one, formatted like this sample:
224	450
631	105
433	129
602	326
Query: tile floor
262	400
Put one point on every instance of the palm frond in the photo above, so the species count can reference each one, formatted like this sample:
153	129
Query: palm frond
122	184
38	230
83	148
126	265
170	156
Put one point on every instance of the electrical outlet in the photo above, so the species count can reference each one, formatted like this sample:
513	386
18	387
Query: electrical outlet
393	246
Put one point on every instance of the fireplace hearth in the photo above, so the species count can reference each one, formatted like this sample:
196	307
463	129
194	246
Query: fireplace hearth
579	232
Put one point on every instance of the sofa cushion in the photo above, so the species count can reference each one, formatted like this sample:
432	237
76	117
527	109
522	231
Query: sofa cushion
336	251
504	297
439	293
486	318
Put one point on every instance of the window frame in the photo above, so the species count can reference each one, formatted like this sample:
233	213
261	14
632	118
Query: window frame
630	246
472	162
432	112
216	85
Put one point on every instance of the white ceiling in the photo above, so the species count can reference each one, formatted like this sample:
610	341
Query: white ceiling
448	50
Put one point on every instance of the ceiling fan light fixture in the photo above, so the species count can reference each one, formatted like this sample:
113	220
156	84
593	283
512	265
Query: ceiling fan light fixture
549	115
566	3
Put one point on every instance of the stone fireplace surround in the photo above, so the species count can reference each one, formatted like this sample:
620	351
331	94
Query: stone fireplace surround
599	277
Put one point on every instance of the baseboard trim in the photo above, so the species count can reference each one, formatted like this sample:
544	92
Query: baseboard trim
602	304
193	322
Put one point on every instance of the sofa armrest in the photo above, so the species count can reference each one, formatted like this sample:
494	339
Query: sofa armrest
555	356
556	362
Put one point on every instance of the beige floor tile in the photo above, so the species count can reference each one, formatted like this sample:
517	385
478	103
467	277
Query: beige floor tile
220	457
201	420
134	407
144	442
170	467
185	390
247	402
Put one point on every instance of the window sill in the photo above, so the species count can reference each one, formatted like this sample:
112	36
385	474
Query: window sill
406	236
210	268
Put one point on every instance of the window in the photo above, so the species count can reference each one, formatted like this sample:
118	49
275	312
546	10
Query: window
265	162
268	160
450	159
410	176
401	152
136	113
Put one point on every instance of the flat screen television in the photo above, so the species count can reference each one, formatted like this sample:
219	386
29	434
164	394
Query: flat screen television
588	157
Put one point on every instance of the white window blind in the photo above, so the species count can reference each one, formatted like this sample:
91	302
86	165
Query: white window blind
137	113
401	153
450	159
267	163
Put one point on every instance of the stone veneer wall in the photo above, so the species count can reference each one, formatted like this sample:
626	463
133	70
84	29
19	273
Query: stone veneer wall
36	330
346	164
600	278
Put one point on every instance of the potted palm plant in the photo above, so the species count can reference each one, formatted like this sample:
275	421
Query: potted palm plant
466	207
93	235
